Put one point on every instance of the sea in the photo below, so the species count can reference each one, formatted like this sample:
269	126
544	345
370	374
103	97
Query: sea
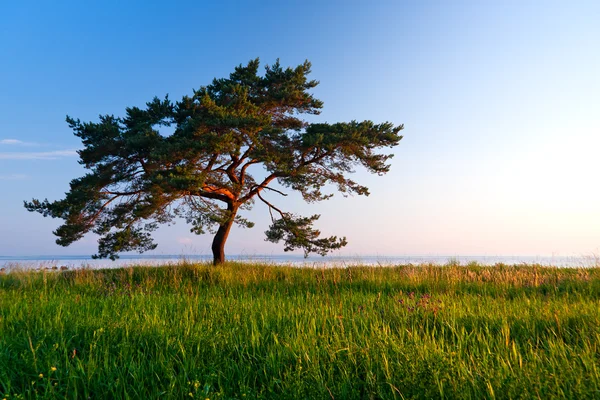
82	261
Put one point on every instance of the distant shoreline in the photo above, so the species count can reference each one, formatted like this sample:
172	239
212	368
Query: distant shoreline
85	261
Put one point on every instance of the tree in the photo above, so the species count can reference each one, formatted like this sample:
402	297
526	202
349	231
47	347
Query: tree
140	178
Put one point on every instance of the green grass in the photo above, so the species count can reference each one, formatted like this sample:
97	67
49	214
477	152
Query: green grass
254	331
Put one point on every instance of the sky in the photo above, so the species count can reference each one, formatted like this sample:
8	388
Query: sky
500	103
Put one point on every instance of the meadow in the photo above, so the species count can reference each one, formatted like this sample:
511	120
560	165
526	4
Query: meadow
244	331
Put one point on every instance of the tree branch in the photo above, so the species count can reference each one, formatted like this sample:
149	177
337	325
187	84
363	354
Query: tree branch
223	195
258	188
270	188
243	170
97	214
271	206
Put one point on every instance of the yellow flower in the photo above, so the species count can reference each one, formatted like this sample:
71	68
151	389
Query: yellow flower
52	369
41	375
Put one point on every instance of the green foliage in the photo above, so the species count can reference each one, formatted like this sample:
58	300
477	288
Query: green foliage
297	232
257	331
140	178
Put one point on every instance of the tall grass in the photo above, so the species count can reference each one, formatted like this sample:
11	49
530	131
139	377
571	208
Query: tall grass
258	331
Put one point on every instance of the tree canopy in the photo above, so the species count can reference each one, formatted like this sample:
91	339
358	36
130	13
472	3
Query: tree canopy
139	178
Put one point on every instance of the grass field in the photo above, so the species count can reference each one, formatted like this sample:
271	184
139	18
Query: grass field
256	331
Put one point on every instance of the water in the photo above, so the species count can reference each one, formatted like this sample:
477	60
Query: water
37	262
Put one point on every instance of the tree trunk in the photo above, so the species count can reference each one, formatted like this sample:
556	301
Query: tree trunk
218	244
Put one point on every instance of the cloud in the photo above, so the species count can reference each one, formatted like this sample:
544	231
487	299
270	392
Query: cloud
13	177
11	141
38	155
21	143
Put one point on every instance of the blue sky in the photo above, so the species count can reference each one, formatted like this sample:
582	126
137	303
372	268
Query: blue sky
500	102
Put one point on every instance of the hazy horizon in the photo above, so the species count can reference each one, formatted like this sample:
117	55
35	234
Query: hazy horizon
315	261
499	101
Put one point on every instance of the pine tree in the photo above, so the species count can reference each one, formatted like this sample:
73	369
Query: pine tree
140	179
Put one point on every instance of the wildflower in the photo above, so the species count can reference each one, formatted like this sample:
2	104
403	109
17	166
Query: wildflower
41	375
52	369
190	394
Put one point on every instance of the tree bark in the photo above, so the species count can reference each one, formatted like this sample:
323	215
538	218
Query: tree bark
218	244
